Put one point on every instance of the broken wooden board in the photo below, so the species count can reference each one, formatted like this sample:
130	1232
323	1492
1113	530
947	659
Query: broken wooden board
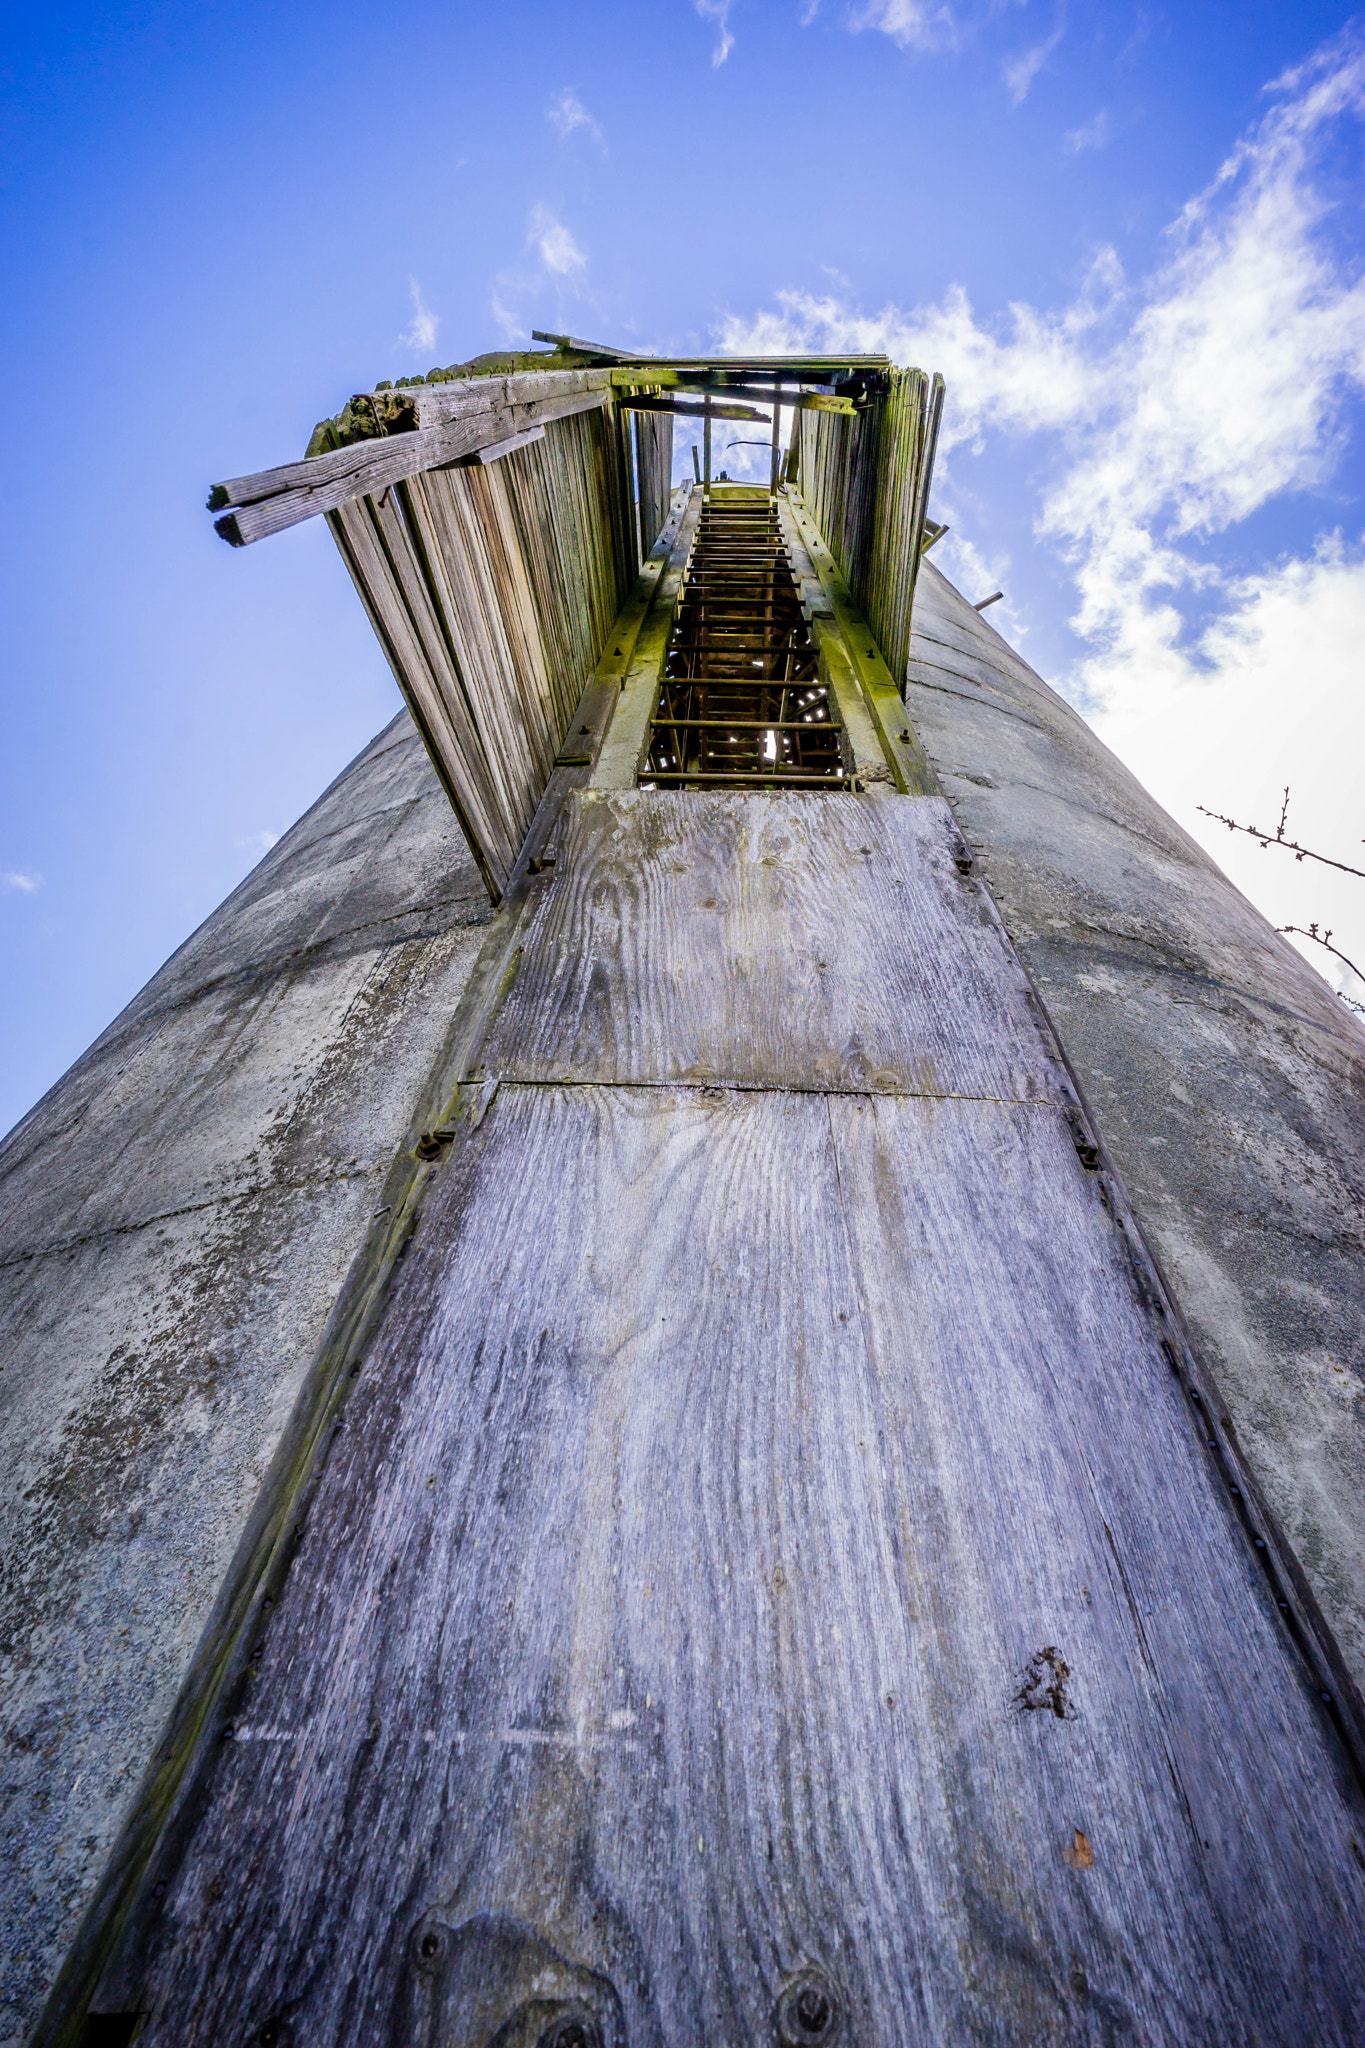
767	1551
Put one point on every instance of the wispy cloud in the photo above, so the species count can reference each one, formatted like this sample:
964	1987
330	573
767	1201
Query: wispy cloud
421	336
718	11
557	265
1021	71
22	880
914	24
1167	411
555	245
1091	134
259	843
567	113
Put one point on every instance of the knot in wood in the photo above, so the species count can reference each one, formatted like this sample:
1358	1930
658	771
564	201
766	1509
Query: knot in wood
808	2012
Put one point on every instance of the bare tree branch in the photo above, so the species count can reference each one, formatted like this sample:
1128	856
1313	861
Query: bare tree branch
1324	939
1277	838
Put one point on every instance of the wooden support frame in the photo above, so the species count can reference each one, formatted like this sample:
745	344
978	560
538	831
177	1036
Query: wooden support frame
488	411
848	646
621	752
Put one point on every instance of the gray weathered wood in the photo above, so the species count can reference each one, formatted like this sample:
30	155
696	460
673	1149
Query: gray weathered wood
767	1536
817	941
274	499
496	450
649	402
495	592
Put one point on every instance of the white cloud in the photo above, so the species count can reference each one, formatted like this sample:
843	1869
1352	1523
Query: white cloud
1021	71
914	24
1093	134
22	880
513	327
557	248
568	112
1169	410
719	12
421	336
259	843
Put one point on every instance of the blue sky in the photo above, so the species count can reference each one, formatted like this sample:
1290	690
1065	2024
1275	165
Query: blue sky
1129	236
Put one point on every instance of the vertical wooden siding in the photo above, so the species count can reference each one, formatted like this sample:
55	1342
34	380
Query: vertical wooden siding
768	1535
866	481
493	590
654	433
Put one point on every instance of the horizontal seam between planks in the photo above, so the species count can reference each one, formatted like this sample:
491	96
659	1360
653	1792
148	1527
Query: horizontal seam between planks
252	1194
695	1087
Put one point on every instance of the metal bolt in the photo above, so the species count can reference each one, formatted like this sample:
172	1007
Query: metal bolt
807	2012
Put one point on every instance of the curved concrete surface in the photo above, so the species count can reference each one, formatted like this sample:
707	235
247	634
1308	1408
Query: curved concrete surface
176	1218
1227	1080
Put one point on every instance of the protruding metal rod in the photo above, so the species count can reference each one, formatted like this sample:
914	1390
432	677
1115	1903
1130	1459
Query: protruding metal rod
706	442
994	596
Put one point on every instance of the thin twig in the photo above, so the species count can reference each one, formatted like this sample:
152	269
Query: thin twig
1325	939
1277	838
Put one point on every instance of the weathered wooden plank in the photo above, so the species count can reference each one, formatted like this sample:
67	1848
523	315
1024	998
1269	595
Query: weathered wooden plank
495	591
818	941
624	745
819	401
645	402
496	450
766	1538
274	499
881	693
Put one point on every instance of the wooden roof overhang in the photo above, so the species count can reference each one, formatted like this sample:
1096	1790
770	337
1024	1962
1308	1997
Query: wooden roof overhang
504	523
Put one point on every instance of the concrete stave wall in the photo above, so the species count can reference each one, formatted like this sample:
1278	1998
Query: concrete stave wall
176	1218
1227	1079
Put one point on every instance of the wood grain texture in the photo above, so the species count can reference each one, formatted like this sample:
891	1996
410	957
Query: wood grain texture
767	1534
300	490
495	591
797	941
716	1513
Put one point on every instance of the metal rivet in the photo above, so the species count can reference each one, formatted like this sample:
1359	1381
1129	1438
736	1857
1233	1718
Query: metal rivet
807	2012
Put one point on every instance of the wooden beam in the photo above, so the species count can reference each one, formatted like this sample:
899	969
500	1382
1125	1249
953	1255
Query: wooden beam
588	348
497	449
273	499
647	402
906	757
